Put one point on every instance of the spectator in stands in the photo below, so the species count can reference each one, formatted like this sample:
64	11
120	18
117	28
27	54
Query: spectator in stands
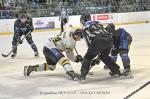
76	2
1	6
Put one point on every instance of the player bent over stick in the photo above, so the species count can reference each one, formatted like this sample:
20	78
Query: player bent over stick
99	43
121	45
53	54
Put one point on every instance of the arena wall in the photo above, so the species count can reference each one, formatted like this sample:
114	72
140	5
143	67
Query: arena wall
45	24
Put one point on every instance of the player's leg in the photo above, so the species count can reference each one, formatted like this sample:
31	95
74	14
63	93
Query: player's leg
53	56
62	25
93	50
50	65
32	44
86	65
114	52
14	46
106	59
63	61
126	62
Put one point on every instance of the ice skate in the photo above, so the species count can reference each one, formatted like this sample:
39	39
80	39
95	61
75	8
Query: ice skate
29	69
52	67
82	79
13	55
36	54
106	67
90	73
73	75
126	74
115	74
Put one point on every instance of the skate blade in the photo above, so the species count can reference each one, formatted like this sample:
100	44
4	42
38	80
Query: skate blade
75	79
119	77
82	81
25	70
91	73
36	56
13	57
113	77
126	77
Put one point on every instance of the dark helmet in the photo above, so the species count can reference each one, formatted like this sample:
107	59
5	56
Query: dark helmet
78	32
110	27
85	17
22	15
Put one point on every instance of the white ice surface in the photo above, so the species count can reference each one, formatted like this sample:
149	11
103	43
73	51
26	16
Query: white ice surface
57	85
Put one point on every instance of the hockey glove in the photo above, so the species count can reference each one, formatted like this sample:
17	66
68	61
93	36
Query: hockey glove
95	61
79	58
19	41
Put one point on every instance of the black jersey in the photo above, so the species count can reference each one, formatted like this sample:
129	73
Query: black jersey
92	29
24	28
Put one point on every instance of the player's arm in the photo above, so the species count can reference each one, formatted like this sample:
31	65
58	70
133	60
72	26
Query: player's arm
123	39
17	31
72	57
69	49
70	54
30	24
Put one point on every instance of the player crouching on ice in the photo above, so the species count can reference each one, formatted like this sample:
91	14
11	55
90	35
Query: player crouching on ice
22	26
121	45
53	54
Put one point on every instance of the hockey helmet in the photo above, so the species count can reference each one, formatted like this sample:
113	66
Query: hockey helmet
78	32
85	17
110	27
22	16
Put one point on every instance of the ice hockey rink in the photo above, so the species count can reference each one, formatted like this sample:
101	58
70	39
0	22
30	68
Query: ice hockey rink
57	85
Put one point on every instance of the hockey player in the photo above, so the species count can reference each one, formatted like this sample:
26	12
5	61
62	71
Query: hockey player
121	41
22	26
99	43
53	54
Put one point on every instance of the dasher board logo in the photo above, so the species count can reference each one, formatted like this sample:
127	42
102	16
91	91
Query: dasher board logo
39	22
103	18
44	24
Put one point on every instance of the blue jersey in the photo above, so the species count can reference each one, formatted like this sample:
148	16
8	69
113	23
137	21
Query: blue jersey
121	38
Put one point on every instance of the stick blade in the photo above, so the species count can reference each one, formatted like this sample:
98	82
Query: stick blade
4	55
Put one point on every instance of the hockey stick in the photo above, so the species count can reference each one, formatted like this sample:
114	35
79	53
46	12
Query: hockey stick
76	50
6	55
90	73
144	85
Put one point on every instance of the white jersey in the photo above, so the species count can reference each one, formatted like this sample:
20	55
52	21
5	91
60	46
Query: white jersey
64	45
68	30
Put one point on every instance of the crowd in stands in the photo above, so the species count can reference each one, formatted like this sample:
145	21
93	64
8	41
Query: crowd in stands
41	8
